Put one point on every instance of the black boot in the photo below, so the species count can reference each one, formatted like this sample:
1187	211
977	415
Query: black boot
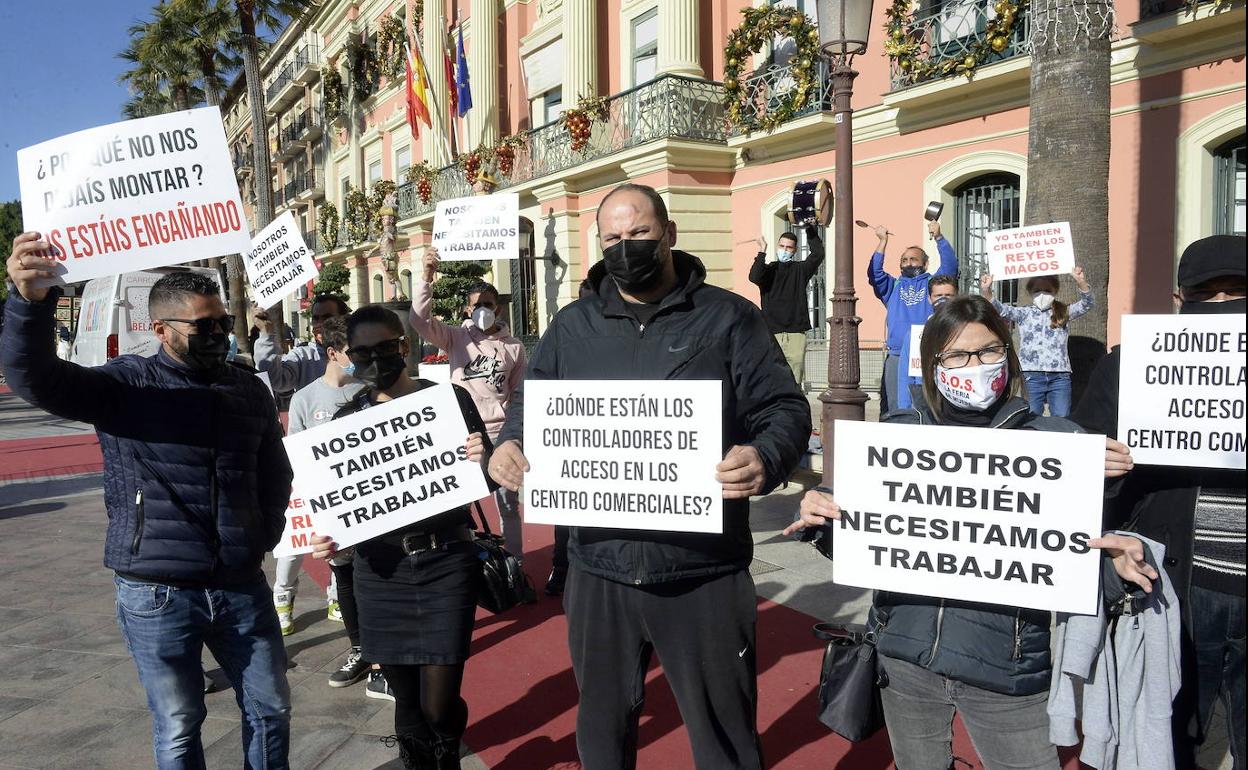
445	754
414	753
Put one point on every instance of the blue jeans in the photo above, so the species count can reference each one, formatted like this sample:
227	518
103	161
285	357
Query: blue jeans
1048	387
1213	670
166	628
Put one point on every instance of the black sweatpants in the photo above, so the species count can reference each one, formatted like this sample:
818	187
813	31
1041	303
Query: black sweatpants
703	633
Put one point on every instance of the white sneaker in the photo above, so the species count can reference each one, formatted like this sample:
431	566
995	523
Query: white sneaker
284	603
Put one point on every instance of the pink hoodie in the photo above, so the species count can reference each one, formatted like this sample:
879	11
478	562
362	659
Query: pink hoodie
489	366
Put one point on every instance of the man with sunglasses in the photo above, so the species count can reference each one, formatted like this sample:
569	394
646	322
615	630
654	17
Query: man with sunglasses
304	364
1198	513
196	487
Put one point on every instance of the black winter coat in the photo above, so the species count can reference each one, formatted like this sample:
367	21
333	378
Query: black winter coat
196	480
995	647
701	332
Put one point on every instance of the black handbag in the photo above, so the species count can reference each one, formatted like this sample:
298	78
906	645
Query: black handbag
850	681
503	582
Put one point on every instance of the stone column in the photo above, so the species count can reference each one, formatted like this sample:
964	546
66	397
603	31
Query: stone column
483	69
434	140
580	55
678	38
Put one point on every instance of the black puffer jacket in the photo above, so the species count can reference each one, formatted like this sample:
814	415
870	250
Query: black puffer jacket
992	646
196	479
701	332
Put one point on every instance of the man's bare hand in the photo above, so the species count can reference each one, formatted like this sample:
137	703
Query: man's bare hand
1118	460
323	547
1129	562
31	262
817	507
508	465
741	473
430	263
933	229
762	244
260	317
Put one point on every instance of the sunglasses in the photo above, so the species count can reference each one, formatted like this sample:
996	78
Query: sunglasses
206	326
364	354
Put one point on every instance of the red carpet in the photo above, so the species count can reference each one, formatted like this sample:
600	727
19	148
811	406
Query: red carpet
34	458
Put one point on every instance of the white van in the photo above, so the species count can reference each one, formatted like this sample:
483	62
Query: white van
113	319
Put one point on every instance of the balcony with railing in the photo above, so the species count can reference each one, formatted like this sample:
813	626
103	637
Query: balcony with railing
288	83
241	155
295	136
953	34
311	240
763	89
311	184
668	107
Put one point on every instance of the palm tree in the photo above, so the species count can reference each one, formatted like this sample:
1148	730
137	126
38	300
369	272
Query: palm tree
1068	148
209	37
158	64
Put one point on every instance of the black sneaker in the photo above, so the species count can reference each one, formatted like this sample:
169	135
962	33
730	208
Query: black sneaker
352	671
554	583
378	687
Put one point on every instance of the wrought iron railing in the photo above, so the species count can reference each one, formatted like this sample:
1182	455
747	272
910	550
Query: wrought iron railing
242	156
947	36
305	55
311	240
766	86
1151	8
668	107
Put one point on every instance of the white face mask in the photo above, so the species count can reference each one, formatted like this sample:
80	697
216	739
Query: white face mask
1042	301
483	318
972	387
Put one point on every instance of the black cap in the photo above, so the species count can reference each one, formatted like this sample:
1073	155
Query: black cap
1212	257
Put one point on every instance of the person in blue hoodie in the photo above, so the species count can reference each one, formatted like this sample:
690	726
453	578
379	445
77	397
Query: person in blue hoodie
906	299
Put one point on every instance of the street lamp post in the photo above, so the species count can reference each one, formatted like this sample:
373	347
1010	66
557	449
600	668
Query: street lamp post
843	29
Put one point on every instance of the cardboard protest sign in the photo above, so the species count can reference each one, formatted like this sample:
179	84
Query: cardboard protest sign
386	467
1181	389
481	227
278	262
969	513
136	194
295	538
626	454
1023	252
916	360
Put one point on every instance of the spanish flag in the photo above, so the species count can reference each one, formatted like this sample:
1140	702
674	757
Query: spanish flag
417	92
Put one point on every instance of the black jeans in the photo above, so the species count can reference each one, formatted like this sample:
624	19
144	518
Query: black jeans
703	632
559	557
1213	668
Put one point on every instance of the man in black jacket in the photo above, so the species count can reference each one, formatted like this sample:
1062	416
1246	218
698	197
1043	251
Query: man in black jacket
782	288
196	485
1198	514
688	597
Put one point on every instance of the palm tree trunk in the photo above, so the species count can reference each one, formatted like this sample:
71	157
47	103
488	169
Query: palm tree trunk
259	145
238	301
1068	150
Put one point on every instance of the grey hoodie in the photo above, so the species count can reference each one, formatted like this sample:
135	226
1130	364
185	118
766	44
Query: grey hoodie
288	373
1119	681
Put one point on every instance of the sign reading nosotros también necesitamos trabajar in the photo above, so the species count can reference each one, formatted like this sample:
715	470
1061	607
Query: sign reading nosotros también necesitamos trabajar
136	194
969	513
385	467
626	454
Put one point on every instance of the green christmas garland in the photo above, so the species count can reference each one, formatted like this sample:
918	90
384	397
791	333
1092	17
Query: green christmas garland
327	225
904	47
390	39
356	212
761	26
381	188
332	84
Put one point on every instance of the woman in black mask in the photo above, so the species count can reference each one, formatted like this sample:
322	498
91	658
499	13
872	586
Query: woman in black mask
415	588
988	662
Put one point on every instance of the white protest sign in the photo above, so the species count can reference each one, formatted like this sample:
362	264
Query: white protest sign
295	538
278	262
386	467
626	454
1181	390
136	194
916	361
1023	252
482	227
969	513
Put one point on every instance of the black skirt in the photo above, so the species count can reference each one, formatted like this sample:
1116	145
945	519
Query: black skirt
416	610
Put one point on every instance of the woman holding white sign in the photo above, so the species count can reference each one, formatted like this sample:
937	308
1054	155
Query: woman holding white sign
988	662
1043	336
415	588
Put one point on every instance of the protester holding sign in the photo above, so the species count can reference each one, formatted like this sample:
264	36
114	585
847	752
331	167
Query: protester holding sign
630	592
416	587
486	359
197	484
302	366
906	298
1043	335
988	662
1197	513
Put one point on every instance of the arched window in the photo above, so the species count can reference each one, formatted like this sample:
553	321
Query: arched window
379	288
1229	208
406	278
982	205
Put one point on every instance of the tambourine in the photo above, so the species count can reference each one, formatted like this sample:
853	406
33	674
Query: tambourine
811	203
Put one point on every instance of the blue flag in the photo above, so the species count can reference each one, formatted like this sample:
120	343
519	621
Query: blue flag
462	84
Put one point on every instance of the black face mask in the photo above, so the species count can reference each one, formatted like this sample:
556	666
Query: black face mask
205	353
1231	306
382	371
634	264
911	272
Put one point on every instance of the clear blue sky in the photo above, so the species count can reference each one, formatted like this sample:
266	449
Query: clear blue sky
58	71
